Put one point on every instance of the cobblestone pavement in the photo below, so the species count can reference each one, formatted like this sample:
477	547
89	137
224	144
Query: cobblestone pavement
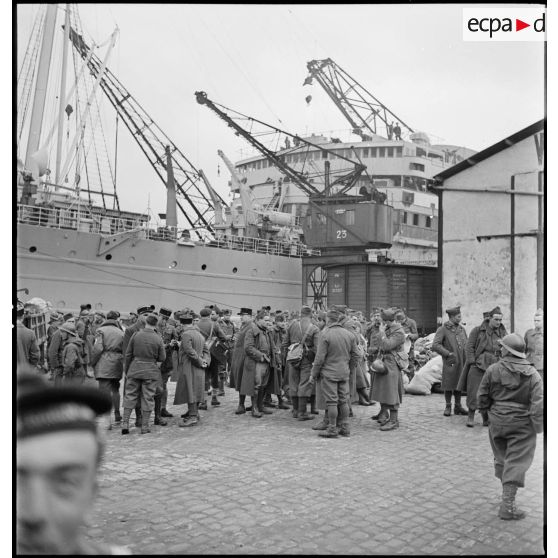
240	485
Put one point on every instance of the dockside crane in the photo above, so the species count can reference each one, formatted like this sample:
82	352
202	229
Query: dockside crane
367	115
197	205
335	219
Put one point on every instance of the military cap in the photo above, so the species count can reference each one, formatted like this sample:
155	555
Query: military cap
85	307
387	314
152	307
113	315
67	316
453	311
43	408
100	313
69	327
227	312
334	315
247	311
495	310
485	315
186	318
306	310
515	344
340	308
144	310
165	312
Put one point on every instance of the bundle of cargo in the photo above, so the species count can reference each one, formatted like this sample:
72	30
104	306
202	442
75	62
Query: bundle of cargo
426	377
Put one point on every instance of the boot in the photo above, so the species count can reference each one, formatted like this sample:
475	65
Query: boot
138	417
185	415
117	416
484	415
145	416
344	431
240	410
470	418
280	403
507	507
215	402
302	414
190	421
459	410
384	419
447	411
313	410
330	432
267	402
294	400
166	414
255	412
261	405
158	420
363	398
393	423
321	425
203	406
126	421
221	387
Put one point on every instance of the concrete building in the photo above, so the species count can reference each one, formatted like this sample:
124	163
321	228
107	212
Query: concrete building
491	230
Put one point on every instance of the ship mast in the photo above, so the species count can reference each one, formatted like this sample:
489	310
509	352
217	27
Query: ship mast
40	91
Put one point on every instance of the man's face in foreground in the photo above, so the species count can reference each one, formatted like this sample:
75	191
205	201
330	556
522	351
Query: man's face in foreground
56	485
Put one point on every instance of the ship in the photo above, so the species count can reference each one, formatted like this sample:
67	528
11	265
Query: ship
73	249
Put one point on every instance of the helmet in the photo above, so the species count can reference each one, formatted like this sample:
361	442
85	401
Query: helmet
379	367
68	327
514	344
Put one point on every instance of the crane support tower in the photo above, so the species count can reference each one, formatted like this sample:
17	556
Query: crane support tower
367	116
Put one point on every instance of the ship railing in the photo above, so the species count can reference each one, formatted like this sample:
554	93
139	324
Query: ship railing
423	233
262	246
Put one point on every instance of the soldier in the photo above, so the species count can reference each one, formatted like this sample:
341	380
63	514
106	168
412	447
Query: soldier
277	332
74	357
229	329
168	334
145	349
305	333
450	341
55	350
373	337
58	456
210	329
511	392
259	350
482	350
388	384
238	357
336	353
106	358
138	325
534	342
27	349
193	358
410	329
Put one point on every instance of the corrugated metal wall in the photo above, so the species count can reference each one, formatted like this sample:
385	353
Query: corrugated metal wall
363	286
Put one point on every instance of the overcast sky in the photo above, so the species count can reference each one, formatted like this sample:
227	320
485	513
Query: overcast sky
253	59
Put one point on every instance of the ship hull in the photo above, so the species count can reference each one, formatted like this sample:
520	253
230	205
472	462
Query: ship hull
64	267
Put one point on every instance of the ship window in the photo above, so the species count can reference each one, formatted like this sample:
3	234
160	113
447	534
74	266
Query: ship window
108	257
365	152
264	164
324	154
405	217
348	153
204	267
429	221
390	151
259	165
373	152
350	217
415	219
235	269
416	166
33	249
398	151
382	152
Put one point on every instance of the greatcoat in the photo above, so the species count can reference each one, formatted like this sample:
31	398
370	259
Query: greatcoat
238	356
191	374
450	338
257	343
107	355
388	388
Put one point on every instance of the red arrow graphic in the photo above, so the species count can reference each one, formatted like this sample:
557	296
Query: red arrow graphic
519	25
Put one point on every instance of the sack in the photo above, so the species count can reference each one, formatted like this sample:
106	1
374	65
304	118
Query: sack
295	353
401	359
218	350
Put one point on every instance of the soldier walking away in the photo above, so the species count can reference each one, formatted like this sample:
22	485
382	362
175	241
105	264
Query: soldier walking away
482	349
74	357
305	333
388	384
106	359
335	355
27	350
145	349
138	325
450	341
534	342
193	358
55	350
511	391
58	456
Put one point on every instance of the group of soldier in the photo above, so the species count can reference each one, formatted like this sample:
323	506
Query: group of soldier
315	360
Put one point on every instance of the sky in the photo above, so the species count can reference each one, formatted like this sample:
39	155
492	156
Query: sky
252	58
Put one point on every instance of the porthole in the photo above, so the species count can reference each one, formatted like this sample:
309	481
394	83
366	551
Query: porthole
107	242
108	257
204	267
32	249
235	269
131	259
173	264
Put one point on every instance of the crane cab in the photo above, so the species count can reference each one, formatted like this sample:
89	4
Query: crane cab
348	222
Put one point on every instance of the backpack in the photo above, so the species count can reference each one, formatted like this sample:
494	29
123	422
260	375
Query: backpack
296	350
